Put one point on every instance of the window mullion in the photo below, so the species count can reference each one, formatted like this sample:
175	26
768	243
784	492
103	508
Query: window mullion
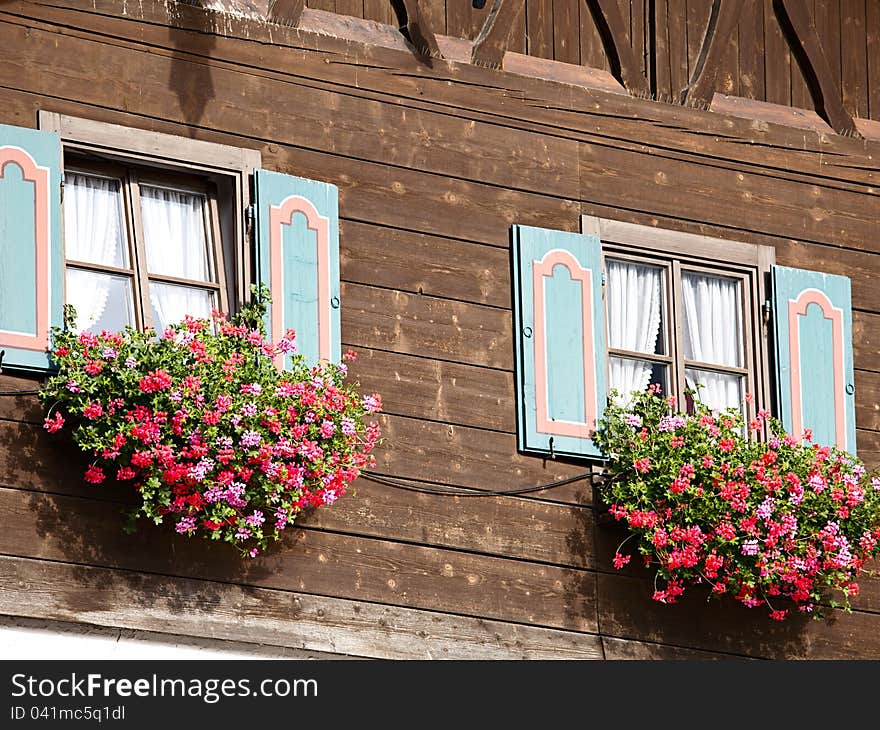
677	334
215	245
140	250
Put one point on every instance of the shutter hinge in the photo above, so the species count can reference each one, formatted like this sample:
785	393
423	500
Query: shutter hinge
62	188
768	312
603	286
2	353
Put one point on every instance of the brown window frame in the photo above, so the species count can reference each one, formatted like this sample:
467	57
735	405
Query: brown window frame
675	252
158	156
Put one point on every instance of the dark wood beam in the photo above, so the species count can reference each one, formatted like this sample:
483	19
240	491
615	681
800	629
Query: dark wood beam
625	66
285	12
799	30
722	23
416	27
494	37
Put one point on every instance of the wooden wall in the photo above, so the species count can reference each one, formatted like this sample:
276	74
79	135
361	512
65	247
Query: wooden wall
434	163
667	34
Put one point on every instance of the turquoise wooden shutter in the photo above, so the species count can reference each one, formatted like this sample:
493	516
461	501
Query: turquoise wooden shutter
297	223
31	264
814	360
560	340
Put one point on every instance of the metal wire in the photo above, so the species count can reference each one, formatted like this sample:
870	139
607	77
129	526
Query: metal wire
463	491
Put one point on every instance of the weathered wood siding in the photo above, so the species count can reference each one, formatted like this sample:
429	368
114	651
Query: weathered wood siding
434	163
666	36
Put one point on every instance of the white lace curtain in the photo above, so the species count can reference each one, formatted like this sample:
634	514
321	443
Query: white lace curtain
93	233
174	233
633	305
712	322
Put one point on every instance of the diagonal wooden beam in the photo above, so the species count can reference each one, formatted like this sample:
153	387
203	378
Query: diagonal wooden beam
625	67
494	37
285	12
722	23
799	30
416	27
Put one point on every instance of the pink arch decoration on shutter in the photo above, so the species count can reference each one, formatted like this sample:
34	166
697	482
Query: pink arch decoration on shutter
39	176
540	271
798	308
282	215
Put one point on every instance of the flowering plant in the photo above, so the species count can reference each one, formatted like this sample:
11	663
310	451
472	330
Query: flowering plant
206	429
745	509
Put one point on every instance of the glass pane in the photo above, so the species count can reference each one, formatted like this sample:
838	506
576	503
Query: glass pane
174	233
719	390
634	296
712	319
102	301
627	376
171	303
94	228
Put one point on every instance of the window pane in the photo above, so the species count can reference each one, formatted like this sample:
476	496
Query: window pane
712	319
634	301
627	375
719	390
102	301
94	228
171	303
174	233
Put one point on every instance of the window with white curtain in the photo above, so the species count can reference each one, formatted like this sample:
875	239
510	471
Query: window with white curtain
142	247
682	325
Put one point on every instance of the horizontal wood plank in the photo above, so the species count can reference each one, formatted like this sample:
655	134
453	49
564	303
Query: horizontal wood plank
89	532
436	266
626	610
619	649
527	529
426	326
104	597
435	390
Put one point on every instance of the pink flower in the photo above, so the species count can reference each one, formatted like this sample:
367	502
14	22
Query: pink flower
348	427
373	403
642	465
94	474
54	423
93	410
155	381
186	525
620	560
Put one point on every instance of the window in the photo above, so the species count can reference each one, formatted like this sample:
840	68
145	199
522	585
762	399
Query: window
142	247
684	326
684	311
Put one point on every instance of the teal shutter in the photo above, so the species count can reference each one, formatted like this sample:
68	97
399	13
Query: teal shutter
560	341
814	360
31	264
297	224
